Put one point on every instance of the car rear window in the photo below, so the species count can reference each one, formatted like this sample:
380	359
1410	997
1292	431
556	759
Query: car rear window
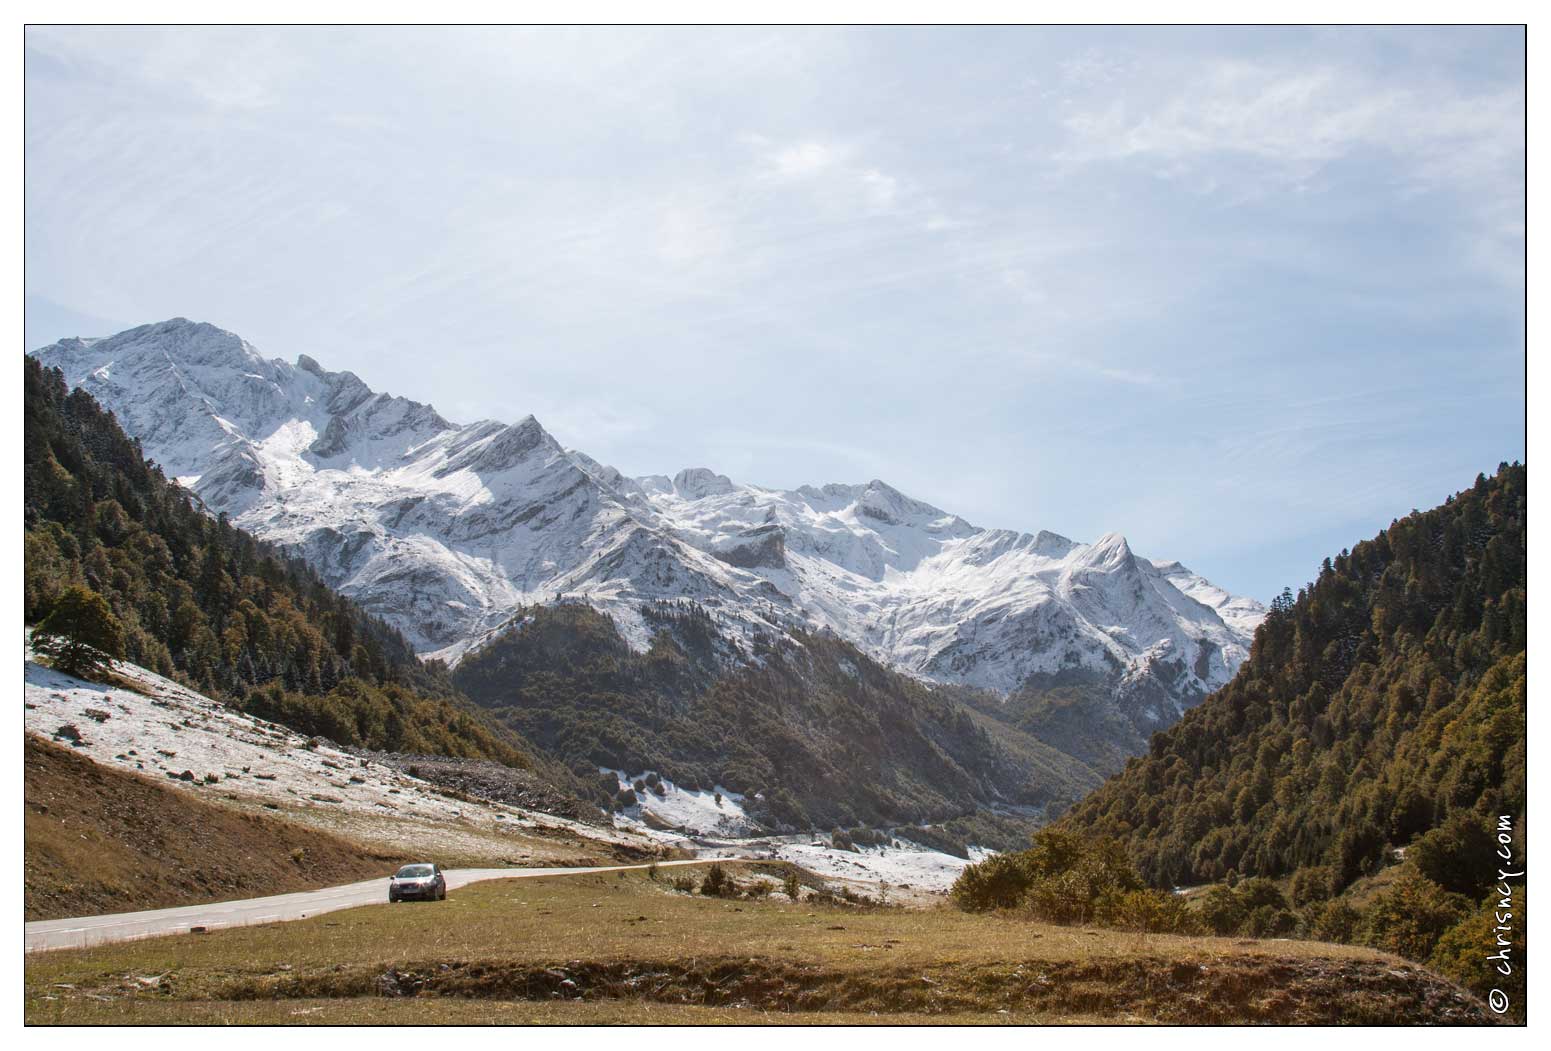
414	871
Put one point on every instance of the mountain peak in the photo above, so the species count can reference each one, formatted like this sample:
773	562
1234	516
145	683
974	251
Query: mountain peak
508	446
881	501
698	482
446	529
176	339
1107	554
1052	545
197	341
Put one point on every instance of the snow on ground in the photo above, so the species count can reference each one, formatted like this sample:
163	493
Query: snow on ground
709	812
191	742
710	830
906	867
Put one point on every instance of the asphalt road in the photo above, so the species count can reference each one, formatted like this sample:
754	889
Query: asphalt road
126	926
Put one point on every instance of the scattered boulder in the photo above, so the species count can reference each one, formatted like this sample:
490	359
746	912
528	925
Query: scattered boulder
396	983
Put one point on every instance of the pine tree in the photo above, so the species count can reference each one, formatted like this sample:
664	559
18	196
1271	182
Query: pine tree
81	635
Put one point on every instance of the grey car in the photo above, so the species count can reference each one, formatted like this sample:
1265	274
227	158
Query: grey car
422	881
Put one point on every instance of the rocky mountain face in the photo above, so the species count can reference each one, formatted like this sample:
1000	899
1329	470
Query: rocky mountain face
808	731
445	529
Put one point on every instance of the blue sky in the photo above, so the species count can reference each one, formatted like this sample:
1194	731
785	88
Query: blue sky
1244	296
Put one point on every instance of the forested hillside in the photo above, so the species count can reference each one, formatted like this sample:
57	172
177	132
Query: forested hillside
196	599
1382	701
1074	712
821	733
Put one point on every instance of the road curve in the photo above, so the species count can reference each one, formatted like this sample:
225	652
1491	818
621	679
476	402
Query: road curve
127	926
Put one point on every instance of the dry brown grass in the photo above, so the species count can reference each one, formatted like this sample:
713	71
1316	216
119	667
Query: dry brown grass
441	1011
101	840
611	948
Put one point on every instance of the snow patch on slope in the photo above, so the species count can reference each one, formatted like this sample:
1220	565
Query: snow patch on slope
161	729
698	812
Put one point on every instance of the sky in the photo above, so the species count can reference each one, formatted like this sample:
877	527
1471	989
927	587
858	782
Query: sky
1245	296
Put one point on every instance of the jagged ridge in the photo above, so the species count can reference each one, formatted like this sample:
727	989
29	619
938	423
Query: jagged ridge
445	529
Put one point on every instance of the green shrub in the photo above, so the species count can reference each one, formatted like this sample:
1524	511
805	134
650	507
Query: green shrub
1268	921
1463	951
1061	878
1313	884
1222	910
998	882
1335	921
862	836
1457	856
717	884
1155	911
1075	895
1410	917
1259	893
1054	851
1252	907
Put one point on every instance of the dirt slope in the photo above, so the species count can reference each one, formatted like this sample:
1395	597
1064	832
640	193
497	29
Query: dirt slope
99	840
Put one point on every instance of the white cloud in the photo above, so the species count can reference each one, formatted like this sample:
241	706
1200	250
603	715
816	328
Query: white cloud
1298	120
1244	132
837	171
689	235
803	159
184	66
881	189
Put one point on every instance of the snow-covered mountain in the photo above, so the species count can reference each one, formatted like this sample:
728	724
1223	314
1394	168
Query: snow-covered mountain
444	529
